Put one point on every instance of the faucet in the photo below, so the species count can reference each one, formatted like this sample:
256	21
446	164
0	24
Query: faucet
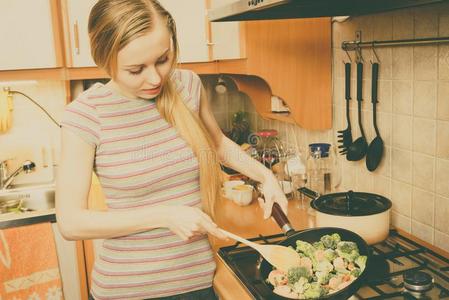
5	180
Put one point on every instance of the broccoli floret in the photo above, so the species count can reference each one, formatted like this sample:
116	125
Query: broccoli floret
330	254
305	248
361	262
323	277
356	272
301	285
319	245
348	250
336	238
329	241
324	266
294	274
315	291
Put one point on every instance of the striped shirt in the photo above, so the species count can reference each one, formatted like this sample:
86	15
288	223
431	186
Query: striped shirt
142	161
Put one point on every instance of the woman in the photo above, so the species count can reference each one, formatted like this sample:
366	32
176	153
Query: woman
151	138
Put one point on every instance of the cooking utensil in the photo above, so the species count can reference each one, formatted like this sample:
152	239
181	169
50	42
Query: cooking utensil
366	214
376	147
314	235
281	257
346	135
357	150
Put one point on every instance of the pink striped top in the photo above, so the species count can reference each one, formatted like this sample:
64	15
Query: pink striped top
141	161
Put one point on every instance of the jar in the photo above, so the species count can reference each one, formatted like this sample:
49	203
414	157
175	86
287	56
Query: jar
270	150
324	161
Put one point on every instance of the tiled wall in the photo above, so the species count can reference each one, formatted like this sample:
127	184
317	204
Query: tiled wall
413	116
33	136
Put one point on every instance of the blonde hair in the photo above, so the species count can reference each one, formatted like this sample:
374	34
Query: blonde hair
113	24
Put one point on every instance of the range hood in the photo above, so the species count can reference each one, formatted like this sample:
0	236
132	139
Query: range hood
243	10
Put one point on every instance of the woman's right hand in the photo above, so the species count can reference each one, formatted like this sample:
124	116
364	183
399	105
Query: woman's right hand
187	222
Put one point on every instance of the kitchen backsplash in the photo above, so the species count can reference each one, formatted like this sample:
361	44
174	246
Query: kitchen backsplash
413	117
33	136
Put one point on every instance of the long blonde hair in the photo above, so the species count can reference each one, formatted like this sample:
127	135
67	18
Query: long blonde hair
113	24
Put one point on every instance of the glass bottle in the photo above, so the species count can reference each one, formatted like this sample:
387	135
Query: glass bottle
315	176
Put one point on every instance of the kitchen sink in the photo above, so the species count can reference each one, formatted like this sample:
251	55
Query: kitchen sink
34	197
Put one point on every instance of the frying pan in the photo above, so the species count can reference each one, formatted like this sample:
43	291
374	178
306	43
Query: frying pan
314	235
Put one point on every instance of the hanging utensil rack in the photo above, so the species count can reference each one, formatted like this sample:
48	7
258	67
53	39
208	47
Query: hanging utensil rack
357	44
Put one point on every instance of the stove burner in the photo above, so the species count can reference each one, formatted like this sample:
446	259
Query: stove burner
417	281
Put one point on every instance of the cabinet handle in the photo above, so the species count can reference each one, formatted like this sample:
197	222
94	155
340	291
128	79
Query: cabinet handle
209	43
76	38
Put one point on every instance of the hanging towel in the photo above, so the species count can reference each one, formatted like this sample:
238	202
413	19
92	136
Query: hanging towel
28	264
6	107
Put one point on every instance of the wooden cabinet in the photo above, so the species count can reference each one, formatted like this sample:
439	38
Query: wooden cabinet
29	38
68	266
226	37
190	18
77	38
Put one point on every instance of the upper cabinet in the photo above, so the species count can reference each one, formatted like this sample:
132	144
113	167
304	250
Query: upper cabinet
226	37
28	37
77	38
190	18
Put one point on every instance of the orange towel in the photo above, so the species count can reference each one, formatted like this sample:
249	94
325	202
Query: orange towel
29	264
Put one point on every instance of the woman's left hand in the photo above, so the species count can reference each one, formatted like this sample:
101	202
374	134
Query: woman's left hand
272	193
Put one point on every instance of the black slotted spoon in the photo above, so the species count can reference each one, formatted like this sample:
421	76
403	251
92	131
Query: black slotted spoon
357	150
345	136
376	147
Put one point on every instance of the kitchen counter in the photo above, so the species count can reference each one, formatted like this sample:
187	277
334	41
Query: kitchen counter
27	218
248	222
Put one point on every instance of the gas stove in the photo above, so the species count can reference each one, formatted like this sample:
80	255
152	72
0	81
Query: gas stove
402	269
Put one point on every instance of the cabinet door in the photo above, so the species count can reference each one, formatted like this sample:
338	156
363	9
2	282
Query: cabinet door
68	265
27	35
226	40
190	18
78	18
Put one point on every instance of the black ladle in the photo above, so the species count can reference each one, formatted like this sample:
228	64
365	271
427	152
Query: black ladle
376	147
357	150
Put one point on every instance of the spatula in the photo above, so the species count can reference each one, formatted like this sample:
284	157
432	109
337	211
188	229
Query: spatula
281	257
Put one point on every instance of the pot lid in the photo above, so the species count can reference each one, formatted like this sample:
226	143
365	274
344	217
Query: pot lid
351	204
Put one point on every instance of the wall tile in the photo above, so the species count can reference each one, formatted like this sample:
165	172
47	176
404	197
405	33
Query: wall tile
443	101
401	161
401	222
443	62
423	171
402	63
385	100
383	27
401	196
424	136
443	139
384	167
422	231
402	97
402	132
442	177
403	24
365	180
441	214
382	186
386	63
423	204
444	21
425	99
384	123
425	62
426	25
442	240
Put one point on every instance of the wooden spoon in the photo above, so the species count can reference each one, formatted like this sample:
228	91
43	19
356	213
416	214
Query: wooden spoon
281	257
